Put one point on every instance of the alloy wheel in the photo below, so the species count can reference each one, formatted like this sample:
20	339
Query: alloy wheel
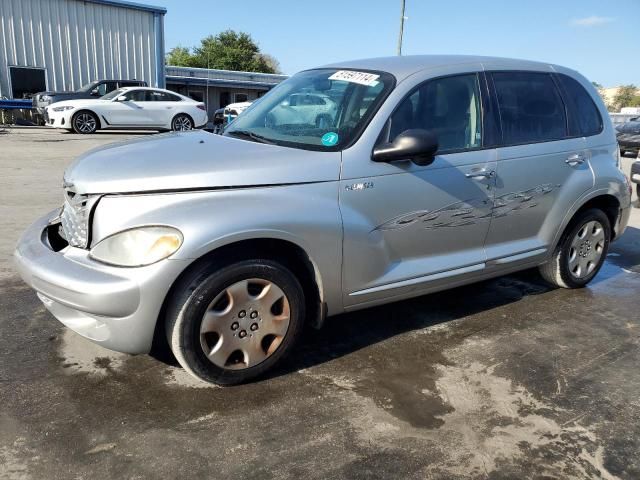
85	123
182	124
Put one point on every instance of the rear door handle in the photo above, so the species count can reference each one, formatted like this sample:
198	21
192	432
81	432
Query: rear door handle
481	174
575	159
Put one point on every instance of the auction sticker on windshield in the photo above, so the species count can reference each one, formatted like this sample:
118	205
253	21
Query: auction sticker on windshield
361	78
329	139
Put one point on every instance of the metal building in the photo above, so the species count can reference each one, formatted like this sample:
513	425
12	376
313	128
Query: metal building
64	44
219	88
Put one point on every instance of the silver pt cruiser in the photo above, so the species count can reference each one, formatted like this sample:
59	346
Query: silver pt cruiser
346	186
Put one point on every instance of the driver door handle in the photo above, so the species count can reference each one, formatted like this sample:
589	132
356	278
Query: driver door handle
481	174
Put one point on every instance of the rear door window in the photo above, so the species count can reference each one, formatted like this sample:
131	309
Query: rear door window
530	106
584	117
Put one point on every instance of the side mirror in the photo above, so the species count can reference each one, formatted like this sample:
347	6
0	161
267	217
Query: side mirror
121	99
419	146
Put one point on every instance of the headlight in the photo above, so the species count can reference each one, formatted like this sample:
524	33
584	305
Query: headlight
138	247
45	98
62	109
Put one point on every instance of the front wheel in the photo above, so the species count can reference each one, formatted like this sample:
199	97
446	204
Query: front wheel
84	123
182	123
232	324
581	251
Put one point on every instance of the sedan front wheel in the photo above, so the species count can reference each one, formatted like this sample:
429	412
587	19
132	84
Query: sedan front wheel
84	123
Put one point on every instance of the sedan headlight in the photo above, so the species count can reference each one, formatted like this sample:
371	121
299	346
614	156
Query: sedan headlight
45	98
62	109
138	247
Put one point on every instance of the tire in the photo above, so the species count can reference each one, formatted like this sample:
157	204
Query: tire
85	122
580	253
182	123
240	346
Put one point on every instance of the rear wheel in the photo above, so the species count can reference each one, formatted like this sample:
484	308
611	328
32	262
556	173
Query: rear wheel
84	122
581	251
232	324
182	123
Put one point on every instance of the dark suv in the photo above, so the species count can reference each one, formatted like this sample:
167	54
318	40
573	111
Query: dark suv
94	89
628	135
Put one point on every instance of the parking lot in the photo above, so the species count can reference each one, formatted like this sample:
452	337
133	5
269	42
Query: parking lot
506	378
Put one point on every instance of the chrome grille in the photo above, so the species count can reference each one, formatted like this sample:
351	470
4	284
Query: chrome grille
75	217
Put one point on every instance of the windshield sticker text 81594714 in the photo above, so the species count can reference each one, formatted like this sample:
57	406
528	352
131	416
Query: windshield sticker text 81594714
361	78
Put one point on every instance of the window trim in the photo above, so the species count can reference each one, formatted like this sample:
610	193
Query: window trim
494	94
483	117
572	107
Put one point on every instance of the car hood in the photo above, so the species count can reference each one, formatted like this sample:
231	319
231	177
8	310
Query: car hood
84	102
196	160
57	93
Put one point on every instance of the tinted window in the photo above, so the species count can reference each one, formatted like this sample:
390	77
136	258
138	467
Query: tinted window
449	107
100	90
531	109
136	96
584	118
156	96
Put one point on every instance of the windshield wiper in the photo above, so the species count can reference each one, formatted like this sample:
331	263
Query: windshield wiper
252	136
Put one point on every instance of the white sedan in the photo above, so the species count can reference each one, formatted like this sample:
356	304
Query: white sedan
125	108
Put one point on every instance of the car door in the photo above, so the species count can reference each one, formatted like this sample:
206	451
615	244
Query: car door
542	168
161	107
129	112
409	227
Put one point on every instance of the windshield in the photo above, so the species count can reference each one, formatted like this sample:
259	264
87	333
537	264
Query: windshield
323	109
87	88
112	95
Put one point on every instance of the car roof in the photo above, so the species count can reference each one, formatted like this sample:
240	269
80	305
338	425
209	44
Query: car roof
403	66
145	88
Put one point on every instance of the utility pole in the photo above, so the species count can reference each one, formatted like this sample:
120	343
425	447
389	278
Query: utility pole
402	17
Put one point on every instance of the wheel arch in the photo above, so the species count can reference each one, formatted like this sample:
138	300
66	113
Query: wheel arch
290	254
602	200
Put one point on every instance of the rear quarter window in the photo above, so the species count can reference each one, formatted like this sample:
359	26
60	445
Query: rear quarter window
531	108
584	117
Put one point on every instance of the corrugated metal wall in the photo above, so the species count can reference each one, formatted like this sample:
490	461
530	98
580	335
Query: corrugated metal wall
77	42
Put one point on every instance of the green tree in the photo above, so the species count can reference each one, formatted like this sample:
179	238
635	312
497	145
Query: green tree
230	50
627	96
179	57
600	89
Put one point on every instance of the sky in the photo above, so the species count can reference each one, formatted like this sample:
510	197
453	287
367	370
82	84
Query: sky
599	38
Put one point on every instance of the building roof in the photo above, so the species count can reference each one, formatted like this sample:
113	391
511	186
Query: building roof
403	66
222	78
128	4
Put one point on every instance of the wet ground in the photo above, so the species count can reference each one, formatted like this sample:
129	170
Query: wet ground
502	379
